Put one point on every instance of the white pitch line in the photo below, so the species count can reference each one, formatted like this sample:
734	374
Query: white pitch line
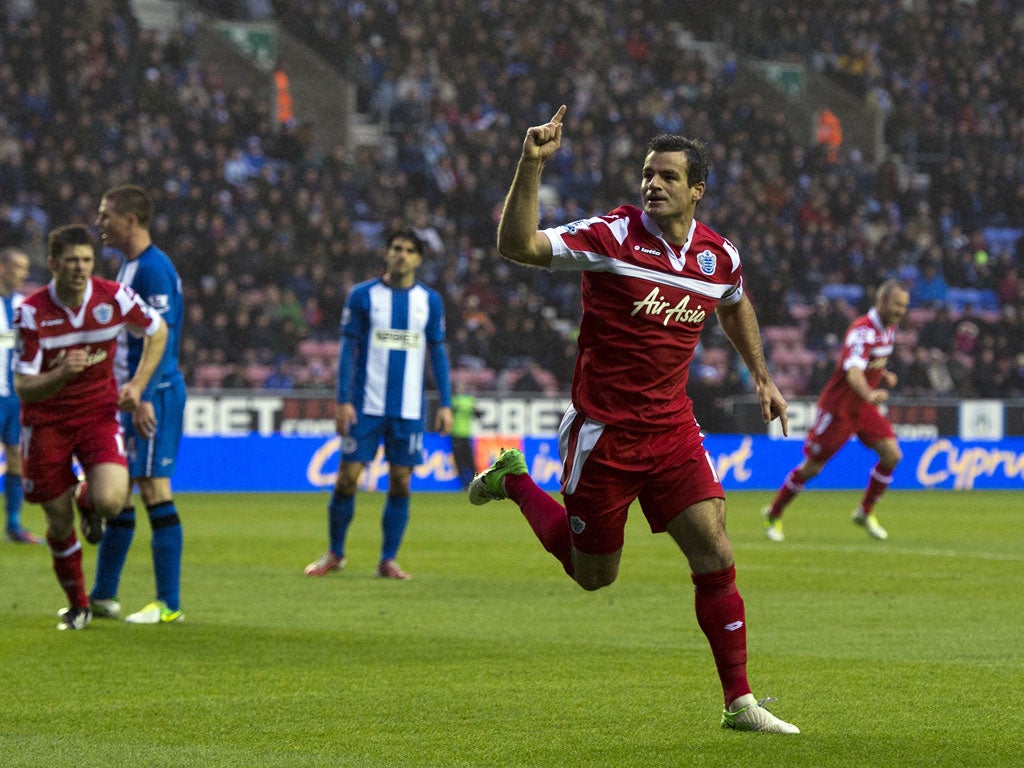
884	549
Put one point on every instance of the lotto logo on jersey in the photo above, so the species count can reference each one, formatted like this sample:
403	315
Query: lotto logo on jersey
394	338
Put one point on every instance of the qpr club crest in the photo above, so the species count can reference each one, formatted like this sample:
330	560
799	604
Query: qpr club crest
103	313
707	261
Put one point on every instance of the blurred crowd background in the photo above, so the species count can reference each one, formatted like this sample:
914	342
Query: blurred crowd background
270	226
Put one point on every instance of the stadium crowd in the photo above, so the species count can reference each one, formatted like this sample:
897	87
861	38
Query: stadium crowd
270	229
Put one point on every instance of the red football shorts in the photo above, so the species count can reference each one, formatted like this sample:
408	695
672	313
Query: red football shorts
604	469
830	431
47	452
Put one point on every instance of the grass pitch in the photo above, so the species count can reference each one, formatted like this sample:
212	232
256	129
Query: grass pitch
898	653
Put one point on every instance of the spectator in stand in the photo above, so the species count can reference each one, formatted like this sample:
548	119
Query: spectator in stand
967	331
531	379
848	406
1010	287
939	332
928	375
772	302
821	371
1008	330
930	288
280	377
825	325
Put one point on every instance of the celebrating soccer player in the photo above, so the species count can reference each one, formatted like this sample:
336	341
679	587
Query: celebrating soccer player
651	278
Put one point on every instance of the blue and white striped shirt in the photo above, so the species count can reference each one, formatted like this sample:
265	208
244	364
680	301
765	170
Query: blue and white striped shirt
387	334
8	305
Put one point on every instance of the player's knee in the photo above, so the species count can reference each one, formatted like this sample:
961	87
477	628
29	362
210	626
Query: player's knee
593	573
345	486
593	581
108	502
890	455
891	460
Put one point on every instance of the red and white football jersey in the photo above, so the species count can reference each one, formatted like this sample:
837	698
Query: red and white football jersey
867	345
46	329
645	302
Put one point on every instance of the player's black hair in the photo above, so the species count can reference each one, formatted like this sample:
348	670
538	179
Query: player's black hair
68	236
698	158
407	234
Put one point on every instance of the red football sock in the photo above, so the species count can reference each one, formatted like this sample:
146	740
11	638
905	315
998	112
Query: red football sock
721	616
877	485
790	488
545	516
67	564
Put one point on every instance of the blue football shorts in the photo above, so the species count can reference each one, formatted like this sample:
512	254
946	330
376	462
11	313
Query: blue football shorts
156	457
403	440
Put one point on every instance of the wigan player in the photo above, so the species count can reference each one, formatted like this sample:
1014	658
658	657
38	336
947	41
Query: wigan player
650	279
67	335
848	406
153	430
14	268
390	327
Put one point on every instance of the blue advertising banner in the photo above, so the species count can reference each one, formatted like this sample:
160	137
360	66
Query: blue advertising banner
276	462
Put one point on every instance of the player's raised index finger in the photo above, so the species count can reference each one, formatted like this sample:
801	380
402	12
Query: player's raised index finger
557	119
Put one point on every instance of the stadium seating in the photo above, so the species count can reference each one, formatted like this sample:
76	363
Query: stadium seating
245	214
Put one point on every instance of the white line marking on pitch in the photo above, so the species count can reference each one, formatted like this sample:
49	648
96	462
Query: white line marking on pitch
883	549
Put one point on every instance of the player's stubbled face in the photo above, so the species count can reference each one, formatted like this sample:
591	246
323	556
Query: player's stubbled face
664	189
74	267
402	257
113	227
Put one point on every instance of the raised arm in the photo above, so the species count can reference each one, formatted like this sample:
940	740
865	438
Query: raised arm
519	239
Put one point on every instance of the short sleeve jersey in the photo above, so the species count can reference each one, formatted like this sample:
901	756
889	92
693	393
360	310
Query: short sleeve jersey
47	329
645	302
867	345
391	330
154	278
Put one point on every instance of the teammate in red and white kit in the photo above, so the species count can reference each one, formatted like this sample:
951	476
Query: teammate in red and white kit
650	279
67	334
848	406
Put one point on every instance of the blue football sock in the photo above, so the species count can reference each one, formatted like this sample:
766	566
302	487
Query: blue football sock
396	518
340	512
14	495
111	554
167	546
